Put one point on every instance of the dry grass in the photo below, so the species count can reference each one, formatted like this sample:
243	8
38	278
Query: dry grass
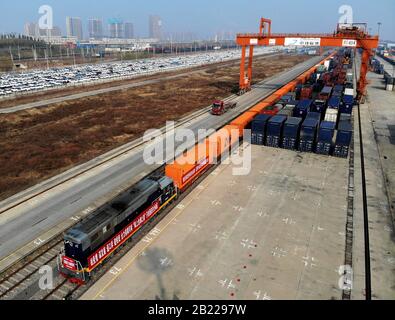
39	143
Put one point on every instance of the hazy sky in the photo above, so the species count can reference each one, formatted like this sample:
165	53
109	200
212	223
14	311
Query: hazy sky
206	17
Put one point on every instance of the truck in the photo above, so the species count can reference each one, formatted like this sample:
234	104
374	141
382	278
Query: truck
219	107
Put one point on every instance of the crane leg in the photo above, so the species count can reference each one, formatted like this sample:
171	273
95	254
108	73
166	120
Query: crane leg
249	74
362	83
242	84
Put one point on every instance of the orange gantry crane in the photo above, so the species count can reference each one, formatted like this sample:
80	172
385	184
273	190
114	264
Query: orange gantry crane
346	35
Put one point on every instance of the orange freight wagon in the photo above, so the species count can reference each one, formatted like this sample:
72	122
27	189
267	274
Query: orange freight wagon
187	167
244	120
190	165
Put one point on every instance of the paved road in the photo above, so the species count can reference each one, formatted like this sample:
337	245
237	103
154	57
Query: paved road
25	222
44	103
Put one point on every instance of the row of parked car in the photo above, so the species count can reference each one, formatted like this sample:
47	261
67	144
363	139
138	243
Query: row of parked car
22	82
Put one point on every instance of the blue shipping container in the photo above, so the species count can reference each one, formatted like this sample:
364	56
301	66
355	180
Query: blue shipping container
338	88
291	133
347	105
314	115
308	134
318	106
258	129
344	133
302	108
326	133
334	102
274	131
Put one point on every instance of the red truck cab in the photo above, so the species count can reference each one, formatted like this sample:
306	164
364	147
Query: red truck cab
219	107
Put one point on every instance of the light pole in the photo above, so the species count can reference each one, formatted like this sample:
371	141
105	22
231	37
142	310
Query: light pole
379	27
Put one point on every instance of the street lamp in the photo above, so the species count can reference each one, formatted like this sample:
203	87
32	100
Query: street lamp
379	26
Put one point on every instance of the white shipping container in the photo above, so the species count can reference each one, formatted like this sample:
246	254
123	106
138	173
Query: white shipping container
331	115
349	92
326	64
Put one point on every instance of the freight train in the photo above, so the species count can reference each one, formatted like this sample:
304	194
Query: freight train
94	239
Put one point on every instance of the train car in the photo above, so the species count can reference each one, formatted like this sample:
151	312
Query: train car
95	238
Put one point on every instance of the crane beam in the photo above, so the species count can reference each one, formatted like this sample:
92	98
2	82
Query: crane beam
350	36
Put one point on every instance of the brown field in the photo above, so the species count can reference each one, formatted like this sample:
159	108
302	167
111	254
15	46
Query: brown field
39	143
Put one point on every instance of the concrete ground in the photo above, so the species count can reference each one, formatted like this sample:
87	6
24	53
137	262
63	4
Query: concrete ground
378	131
277	233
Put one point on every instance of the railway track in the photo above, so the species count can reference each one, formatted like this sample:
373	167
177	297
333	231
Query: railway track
22	276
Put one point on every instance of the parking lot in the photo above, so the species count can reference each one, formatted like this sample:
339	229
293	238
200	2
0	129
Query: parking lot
17	83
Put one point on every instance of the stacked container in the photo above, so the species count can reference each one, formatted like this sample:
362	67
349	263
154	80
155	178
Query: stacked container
343	139
303	108
347	104
308	135
274	131
334	102
291	133
325	137
331	115
258	129
271	110
287	111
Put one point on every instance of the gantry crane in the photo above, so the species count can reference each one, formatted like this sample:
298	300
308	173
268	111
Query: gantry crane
346	35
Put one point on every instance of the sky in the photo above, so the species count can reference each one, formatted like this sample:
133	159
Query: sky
207	17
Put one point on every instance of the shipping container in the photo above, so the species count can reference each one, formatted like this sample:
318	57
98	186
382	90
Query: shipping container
302	108
318	106
349	92
343	139
338	88
286	98
314	115
350	76
189	166
292	103
259	107
221	141
347	104
345	117
306	92
286	112
291	133
274	131
325	93
271	110
331	115
325	137
308	134
298	90
258	129
327	64
334	103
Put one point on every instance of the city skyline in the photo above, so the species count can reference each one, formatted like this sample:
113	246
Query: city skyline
178	16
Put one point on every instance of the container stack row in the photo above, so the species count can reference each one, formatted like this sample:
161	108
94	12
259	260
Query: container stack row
315	116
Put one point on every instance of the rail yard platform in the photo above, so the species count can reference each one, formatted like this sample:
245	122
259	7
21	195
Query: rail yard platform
279	232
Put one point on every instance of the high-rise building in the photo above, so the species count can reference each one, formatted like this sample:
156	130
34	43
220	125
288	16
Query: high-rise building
116	28
155	27
128	30
95	27
32	30
74	27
